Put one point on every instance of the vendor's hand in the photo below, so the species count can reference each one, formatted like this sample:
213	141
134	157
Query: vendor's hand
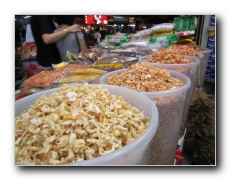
74	28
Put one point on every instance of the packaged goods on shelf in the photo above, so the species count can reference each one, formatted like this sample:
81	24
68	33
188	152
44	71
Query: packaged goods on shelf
210	72
186	22
185	25
78	129
168	90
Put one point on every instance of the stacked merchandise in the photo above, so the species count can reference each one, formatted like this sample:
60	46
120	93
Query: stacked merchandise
113	41
163	36
210	72
143	42
185	25
29	53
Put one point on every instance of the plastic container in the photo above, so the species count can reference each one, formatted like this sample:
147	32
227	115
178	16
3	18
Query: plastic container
189	70
170	105
136	152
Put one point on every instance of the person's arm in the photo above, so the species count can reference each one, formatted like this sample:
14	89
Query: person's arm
54	37
82	44
81	41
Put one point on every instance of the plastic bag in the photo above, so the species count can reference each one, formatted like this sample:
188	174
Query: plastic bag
44	79
163	27
186	22
137	42
143	33
83	74
144	50
119	36
185	33
192	23
107	67
105	45
170	38
116	40
77	78
84	71
158	45
90	55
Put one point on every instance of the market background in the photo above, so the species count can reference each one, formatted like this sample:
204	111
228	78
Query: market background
10	8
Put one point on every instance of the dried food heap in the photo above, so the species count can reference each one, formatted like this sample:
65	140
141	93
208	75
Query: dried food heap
184	50
75	123
145	78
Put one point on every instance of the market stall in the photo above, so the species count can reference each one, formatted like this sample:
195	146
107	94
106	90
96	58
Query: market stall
127	98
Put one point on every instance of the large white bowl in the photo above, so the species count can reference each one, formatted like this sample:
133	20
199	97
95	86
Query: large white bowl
136	152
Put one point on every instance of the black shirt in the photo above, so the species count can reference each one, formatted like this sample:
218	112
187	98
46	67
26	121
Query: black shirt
103	34
46	54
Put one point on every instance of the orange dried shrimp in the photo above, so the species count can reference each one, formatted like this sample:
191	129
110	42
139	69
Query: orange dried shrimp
43	78
168	56
184	50
48	78
145	78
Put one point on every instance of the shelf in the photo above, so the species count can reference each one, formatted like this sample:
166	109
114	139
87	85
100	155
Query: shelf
212	80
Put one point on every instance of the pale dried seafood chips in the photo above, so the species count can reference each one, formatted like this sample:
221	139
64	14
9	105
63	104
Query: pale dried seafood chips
74	124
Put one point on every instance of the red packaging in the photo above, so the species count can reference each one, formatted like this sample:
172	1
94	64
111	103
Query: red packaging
31	67
29	51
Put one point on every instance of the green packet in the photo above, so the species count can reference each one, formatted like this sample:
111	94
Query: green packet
71	57
192	22
185	22
171	38
117	41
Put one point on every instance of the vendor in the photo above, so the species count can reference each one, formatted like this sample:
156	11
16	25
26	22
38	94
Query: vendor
43	31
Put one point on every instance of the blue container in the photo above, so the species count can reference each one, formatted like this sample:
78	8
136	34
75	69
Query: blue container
212	20
211	39
210	45
212	55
